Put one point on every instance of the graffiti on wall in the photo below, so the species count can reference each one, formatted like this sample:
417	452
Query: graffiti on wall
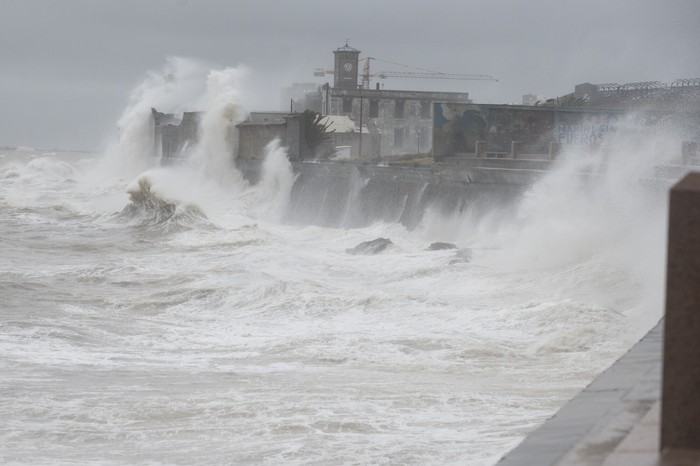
457	127
587	130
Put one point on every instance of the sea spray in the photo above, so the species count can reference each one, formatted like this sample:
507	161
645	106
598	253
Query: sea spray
207	175
600	214
590	204
277	179
214	153
179	85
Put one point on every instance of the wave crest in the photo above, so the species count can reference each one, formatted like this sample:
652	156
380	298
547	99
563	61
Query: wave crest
150	209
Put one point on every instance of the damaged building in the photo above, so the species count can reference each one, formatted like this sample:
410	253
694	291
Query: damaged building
298	132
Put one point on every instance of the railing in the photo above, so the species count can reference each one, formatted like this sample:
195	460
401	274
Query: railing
690	153
516	152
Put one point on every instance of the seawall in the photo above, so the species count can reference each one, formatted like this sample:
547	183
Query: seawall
351	195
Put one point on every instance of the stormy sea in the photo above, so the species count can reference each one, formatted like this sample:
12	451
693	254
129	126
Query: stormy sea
180	315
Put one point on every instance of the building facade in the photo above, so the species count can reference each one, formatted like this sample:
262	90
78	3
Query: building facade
402	119
680	95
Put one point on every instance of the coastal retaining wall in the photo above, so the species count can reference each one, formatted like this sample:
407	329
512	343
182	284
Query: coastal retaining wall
457	128
516	131
355	195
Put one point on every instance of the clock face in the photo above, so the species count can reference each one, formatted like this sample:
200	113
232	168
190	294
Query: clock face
347	66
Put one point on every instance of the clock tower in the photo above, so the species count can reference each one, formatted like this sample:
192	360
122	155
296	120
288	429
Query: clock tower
346	61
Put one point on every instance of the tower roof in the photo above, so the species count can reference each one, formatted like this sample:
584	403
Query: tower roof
346	48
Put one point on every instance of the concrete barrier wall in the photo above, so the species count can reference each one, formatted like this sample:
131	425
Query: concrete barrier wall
458	127
515	131
356	195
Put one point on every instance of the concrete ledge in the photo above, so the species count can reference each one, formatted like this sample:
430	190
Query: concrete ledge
591	426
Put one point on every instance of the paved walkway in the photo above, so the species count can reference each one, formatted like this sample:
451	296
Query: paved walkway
613	421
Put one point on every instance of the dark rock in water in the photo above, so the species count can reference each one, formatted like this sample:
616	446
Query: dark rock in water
461	256
440	246
370	247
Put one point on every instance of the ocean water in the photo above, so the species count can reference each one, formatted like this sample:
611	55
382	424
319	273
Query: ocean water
154	315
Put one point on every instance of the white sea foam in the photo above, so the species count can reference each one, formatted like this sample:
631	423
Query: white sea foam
239	339
266	343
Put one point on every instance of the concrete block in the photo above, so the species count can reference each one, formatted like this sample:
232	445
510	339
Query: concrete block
554	149
480	149
515	149
680	411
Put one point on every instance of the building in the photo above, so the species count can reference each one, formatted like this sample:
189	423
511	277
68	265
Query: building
175	135
262	127
680	95
530	99
384	123
518	131
299	97
403	119
464	131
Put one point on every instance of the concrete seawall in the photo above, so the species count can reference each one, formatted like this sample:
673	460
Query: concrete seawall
355	195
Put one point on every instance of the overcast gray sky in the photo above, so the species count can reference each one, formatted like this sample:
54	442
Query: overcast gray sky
66	67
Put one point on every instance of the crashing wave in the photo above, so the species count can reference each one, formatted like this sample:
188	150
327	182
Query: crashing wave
147	208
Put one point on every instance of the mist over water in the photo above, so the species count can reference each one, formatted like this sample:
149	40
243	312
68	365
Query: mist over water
171	315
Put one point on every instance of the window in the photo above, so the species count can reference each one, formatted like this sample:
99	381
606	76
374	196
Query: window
347	105
398	138
399	109
374	108
425	109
